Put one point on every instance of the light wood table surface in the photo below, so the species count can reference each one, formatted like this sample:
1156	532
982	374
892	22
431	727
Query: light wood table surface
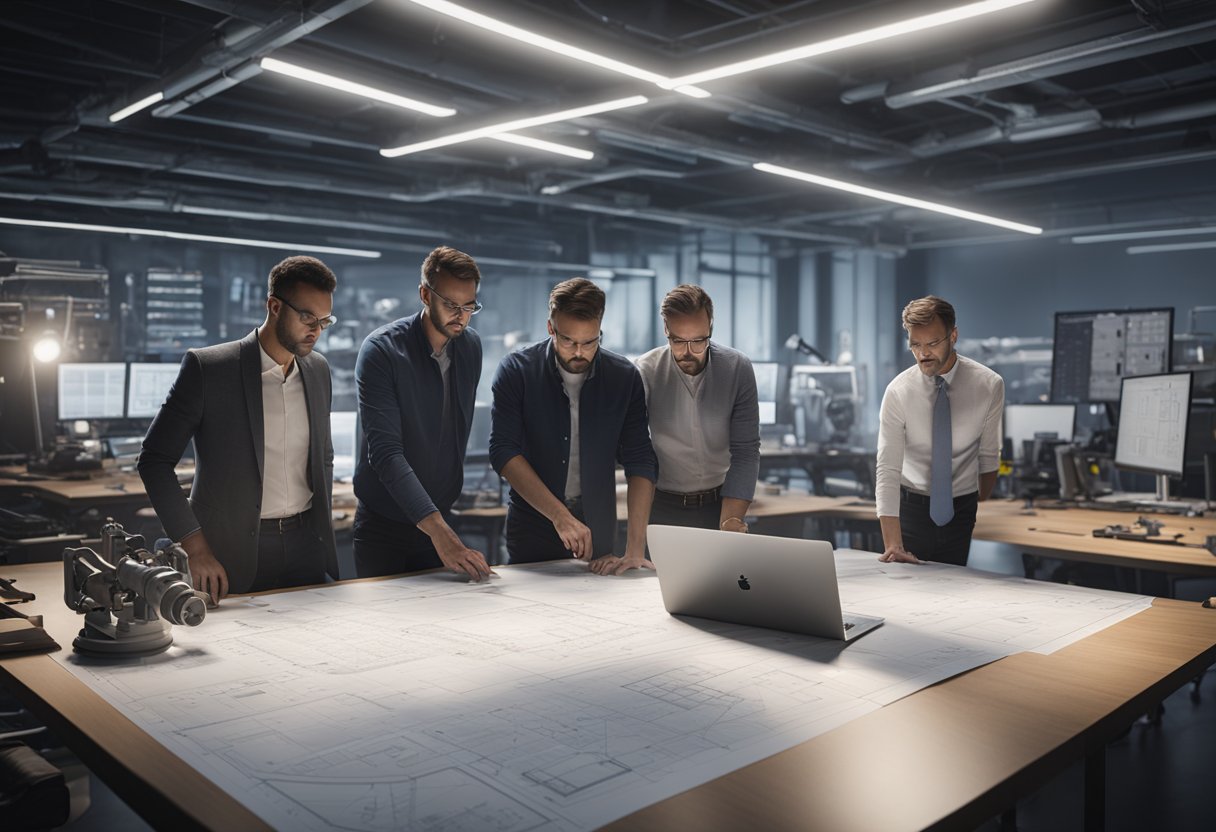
947	757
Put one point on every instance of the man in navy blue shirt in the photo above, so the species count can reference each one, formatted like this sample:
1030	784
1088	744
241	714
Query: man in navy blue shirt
565	412
417	381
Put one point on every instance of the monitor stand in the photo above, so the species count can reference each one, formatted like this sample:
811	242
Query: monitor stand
1163	488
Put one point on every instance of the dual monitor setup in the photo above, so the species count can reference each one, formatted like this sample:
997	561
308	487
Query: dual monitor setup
1101	360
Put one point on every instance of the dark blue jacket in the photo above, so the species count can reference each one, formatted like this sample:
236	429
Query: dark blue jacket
400	409
531	416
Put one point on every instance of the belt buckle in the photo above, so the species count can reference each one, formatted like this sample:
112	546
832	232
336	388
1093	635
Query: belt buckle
281	521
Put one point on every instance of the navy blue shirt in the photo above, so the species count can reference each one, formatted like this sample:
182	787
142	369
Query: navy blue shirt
530	416
405	470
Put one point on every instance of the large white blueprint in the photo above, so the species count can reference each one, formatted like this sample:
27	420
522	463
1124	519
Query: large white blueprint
549	698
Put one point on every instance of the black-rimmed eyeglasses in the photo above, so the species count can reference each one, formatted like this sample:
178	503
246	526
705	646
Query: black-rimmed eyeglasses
467	309
307	318
696	346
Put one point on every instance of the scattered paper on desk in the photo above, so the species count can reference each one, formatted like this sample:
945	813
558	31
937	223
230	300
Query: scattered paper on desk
549	698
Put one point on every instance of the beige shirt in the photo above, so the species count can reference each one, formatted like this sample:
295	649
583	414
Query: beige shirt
285	487
573	384
905	431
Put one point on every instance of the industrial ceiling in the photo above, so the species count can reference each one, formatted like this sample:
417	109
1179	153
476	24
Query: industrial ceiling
1071	116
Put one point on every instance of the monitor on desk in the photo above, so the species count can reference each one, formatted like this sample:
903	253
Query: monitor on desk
147	388
92	391
1094	351
342	429
1153	414
1027	422
766	390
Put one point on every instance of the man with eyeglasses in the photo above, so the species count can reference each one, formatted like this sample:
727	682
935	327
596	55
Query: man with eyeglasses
565	412
258	516
704	419
417	381
938	442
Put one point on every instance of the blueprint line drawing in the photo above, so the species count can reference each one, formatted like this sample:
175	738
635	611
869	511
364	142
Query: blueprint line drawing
549	698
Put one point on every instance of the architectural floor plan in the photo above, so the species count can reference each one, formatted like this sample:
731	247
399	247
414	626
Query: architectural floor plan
549	698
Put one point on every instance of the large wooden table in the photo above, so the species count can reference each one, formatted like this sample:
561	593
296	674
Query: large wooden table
947	757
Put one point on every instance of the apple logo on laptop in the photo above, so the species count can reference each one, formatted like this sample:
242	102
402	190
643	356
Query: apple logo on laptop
743	584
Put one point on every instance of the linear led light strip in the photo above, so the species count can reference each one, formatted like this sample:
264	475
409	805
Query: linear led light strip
1164	247
493	130
686	83
132	109
900	199
181	235
549	44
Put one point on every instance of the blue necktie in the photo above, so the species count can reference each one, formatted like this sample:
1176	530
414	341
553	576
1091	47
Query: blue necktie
941	500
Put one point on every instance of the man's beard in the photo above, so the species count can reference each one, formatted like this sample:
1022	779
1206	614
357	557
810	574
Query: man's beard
576	365
297	348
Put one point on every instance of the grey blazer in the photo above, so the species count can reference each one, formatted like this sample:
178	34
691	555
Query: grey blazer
217	401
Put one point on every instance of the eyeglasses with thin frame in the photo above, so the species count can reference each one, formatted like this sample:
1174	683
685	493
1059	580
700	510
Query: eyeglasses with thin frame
696	346
467	309
915	347
307	318
570	344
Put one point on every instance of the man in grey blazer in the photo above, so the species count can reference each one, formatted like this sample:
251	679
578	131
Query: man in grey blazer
258	516
704	419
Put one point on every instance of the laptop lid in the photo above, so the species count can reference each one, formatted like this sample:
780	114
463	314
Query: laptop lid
776	582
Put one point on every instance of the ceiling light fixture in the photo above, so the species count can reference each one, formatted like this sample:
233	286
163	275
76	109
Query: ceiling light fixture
549	44
181	235
899	199
517	124
837	44
1084	239
1158	249
333	82
132	109
541	144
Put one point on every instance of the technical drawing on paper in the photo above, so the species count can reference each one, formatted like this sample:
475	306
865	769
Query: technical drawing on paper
549	699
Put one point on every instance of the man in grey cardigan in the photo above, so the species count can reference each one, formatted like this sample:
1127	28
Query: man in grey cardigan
704	419
257	409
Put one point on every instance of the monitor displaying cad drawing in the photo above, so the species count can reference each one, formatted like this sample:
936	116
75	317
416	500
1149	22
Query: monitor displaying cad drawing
1027	422
148	387
92	391
1153	413
1094	351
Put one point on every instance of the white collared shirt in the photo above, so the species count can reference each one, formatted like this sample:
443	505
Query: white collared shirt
905	431
285	487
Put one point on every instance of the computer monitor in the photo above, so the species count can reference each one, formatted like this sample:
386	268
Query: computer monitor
1027	422
342	429
92	391
1153	414
148	386
766	390
1094	351
832	379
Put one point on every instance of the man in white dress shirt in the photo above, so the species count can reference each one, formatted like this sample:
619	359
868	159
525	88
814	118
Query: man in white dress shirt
938	442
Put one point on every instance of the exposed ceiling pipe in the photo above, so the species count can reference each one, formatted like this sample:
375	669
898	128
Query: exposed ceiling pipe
610	176
964	79
228	62
1073	171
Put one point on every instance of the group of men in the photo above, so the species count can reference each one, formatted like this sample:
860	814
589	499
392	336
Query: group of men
683	423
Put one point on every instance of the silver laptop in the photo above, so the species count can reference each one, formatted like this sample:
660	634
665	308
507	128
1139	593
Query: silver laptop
777	582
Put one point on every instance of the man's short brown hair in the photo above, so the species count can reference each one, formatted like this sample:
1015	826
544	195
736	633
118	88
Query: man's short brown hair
922	311
449	261
577	297
292	271
687	299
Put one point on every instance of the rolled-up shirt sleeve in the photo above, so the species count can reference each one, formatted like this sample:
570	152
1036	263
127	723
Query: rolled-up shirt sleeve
740	483
634	451
990	437
380	417
890	457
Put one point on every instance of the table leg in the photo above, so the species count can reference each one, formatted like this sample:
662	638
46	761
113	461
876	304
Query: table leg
1095	790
